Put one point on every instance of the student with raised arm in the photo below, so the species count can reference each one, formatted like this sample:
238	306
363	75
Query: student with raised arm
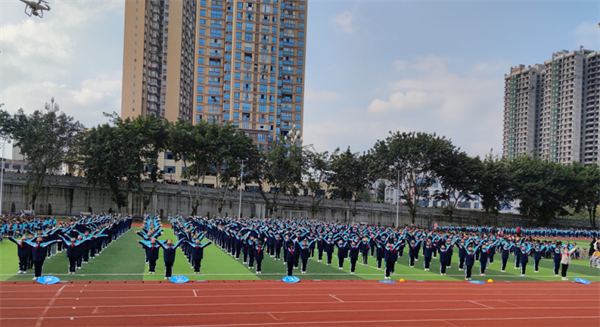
152	250
565	260
428	249
524	258
73	247
354	249
506	248
390	258
23	252
290	257
469	260
197	251
259	255
342	252
39	250
413	250
169	251
329	247
305	253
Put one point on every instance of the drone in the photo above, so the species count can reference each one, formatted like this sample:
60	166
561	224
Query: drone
36	8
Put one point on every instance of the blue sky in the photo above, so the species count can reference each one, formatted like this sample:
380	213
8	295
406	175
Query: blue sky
372	66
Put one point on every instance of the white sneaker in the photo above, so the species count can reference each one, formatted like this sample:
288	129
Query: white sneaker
502	270
34	278
166	278
341	268
20	272
565	278
555	275
536	271
522	275
352	273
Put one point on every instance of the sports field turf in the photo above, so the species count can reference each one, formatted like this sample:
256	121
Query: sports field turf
124	260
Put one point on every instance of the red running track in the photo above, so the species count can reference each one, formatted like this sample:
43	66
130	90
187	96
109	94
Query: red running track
308	303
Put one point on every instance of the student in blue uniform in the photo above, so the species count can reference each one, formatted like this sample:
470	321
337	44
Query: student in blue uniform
380	253
259	255
537	256
483	259
462	254
443	258
389	256
169	251
342	253
428	249
305	253
556	258
197	250
73	248
364	249
39	250
23	252
152	253
290	258
329	247
506	248
354	249
469	261
524	259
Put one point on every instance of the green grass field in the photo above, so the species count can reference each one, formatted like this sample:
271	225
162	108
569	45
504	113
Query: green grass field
124	260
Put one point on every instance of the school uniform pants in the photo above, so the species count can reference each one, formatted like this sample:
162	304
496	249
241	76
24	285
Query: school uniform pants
297	261
290	268
30	261
245	256
38	265
353	264
556	266
461	263
468	271
517	262
442	267
563	271
412	260
168	269
92	252
504	262
312	253
238	251
278	253
23	263
72	264
329	257
536	265
523	267
372	250
151	265
379	262
365	258
389	265
304	264
340	262
197	264
79	260
491	258
427	262
320	253
251	262
449	263
482	266
258	265
86	255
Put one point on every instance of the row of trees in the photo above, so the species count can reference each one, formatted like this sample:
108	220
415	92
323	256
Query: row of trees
127	151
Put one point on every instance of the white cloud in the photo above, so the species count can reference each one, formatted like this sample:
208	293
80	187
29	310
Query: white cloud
588	35
400	65
321	96
86	103
345	21
427	97
404	101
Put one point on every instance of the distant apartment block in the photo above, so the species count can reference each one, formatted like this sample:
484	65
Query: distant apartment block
552	110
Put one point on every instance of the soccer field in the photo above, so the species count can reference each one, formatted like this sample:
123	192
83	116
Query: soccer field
124	260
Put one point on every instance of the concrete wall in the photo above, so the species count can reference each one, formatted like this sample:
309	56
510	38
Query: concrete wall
72	195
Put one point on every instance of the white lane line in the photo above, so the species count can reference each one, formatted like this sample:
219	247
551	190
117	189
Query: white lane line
487	306
333	296
41	318
195	295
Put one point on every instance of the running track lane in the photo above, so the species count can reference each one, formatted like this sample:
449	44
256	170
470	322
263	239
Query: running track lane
308	303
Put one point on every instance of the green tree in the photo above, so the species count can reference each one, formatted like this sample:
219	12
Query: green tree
125	150
544	188
493	184
315	176
457	174
381	191
411	158
282	170
587	190
45	139
351	173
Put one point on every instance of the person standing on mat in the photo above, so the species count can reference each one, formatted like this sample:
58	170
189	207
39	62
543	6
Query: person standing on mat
73	248
428	249
305	253
565	260
39	249
169	251
469	261
289	258
524	258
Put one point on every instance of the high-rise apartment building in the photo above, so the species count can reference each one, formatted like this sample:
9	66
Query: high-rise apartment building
220	61
158	58
552	110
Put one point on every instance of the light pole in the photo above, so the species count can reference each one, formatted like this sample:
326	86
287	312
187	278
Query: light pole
241	180
397	202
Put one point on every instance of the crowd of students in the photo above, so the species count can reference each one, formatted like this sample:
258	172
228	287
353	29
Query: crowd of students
294	242
188	239
249	239
82	239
